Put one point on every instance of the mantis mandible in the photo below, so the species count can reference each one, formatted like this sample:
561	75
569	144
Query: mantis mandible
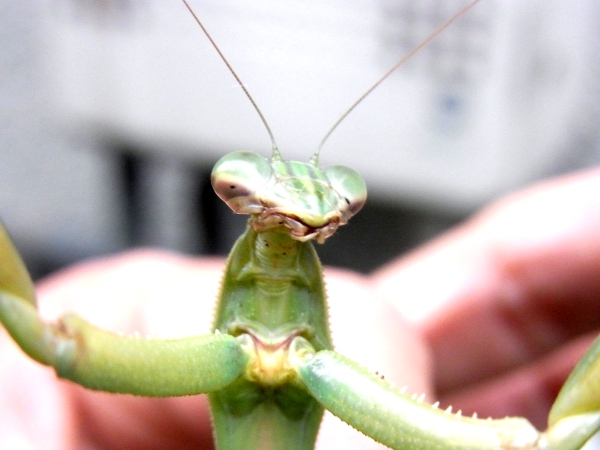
269	366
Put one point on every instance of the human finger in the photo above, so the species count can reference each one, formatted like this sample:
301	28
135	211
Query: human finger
513	284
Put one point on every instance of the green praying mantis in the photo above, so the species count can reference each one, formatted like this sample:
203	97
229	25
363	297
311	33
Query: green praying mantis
269	366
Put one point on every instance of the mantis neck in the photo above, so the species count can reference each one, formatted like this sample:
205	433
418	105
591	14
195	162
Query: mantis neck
272	293
273	289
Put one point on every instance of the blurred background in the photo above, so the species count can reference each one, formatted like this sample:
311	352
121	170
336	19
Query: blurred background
114	111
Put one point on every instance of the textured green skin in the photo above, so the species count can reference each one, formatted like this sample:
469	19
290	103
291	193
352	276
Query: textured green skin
338	382
581	392
248	415
269	367
272	304
106	361
272	310
272	289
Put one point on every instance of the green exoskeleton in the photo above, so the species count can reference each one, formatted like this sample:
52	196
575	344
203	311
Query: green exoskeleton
269	366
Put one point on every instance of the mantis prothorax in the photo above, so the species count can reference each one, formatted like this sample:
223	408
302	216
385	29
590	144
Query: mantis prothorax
269	366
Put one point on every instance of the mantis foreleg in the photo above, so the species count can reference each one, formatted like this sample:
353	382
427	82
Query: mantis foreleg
400	421
397	420
107	361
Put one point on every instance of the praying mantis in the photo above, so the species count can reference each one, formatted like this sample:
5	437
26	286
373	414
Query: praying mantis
269	366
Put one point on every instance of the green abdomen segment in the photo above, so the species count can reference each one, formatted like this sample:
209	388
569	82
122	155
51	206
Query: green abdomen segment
272	287
247	416
272	296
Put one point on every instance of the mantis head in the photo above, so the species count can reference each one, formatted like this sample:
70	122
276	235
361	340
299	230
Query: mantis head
301	198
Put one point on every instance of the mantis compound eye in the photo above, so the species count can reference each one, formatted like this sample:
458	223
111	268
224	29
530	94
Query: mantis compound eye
237	177
349	185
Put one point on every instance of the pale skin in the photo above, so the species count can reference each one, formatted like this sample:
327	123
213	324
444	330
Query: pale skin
500	309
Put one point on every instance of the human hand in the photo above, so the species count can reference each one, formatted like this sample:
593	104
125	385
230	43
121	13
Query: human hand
167	295
508	301
160	294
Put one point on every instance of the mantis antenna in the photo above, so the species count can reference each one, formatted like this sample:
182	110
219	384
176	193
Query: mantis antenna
276	156
315	158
